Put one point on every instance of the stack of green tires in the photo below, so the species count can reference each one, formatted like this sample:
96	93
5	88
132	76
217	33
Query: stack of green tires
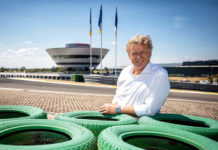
77	78
95	121
42	134
151	137
27	128
17	112
199	125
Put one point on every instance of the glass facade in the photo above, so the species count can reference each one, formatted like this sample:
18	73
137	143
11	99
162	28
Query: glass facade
76	56
77	63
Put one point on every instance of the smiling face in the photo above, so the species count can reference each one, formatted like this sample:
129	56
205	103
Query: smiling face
139	55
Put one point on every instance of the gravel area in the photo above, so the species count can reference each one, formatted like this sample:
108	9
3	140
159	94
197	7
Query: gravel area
60	102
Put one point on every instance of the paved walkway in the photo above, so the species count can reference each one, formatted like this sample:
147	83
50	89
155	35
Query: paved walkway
59	102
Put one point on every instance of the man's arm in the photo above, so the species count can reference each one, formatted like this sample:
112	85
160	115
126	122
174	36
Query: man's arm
111	109
128	110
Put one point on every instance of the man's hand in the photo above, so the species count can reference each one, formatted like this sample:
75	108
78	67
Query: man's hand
111	109
108	109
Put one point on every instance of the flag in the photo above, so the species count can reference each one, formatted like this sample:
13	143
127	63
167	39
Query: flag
116	22
90	31
100	20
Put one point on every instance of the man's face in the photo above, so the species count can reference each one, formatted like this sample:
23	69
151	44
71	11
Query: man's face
139	55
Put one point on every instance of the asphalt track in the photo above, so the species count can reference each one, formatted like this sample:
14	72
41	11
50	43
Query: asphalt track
181	95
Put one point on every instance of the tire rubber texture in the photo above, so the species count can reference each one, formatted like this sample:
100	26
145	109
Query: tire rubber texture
80	137
210	130
30	112
112	137
96	126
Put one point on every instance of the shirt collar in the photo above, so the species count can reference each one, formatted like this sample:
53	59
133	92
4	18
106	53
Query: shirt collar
147	69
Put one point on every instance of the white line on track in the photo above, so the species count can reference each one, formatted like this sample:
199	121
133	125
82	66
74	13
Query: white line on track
65	83
189	100
55	92
193	92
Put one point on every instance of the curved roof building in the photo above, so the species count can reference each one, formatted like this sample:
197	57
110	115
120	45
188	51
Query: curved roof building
76	56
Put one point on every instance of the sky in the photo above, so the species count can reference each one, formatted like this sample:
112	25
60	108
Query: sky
181	30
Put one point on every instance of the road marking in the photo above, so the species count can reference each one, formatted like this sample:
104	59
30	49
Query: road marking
12	89
193	92
56	92
79	84
189	100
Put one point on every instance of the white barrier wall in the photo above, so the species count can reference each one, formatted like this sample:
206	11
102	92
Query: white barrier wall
55	76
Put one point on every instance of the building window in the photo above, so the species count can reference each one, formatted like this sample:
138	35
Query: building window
77	63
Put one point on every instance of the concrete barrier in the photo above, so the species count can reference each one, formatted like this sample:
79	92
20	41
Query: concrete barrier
194	86
173	85
57	76
112	80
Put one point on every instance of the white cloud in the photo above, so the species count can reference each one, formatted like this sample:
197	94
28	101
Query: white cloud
18	53
178	22
28	42
113	43
26	50
0	44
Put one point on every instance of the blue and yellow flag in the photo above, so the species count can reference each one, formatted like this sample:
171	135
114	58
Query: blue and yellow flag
100	20
90	30
116	22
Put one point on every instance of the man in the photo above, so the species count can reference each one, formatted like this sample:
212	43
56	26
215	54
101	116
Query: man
143	87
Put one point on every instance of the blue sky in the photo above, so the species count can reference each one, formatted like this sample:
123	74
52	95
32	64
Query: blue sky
181	30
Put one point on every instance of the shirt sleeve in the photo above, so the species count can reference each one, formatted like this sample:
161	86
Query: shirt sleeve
116	97
158	93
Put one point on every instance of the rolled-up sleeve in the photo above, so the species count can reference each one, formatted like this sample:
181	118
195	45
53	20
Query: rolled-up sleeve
159	91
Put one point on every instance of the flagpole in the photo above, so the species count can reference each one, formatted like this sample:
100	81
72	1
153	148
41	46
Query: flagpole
116	22
90	54
100	31
101	51
116	56
90	32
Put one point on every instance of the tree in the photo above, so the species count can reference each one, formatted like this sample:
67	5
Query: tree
107	71
54	69
22	69
210	79
2	69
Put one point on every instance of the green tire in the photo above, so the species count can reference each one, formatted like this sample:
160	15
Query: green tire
199	125
14	112
136	137
95	121
42	134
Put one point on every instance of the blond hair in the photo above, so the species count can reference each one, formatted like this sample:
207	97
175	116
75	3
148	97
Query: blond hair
140	39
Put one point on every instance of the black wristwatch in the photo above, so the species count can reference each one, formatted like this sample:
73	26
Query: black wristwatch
118	109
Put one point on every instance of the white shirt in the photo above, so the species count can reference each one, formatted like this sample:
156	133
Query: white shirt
147	92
